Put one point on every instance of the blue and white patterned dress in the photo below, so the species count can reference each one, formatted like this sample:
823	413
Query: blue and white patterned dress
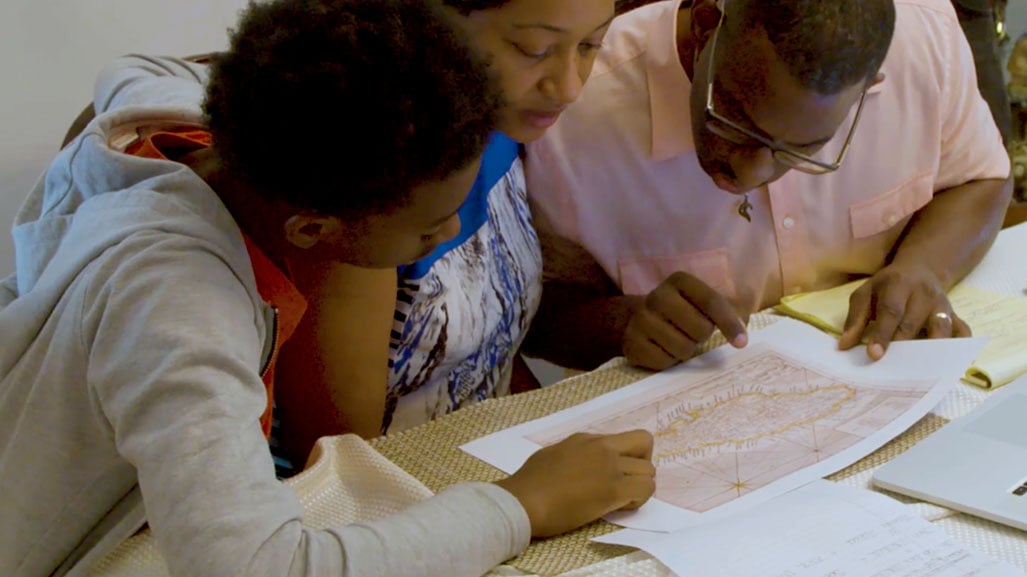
462	312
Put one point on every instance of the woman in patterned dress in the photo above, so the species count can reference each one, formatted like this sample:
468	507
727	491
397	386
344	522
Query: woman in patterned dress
411	344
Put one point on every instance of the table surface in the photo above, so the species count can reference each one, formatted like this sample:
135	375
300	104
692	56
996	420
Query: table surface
349	482
431	452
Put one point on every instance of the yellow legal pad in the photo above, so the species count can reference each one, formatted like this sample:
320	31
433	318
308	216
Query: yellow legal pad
1000	317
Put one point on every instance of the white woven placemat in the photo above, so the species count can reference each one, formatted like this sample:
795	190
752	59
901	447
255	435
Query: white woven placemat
347	482
350	481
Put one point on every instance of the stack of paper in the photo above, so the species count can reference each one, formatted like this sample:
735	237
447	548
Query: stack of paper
821	529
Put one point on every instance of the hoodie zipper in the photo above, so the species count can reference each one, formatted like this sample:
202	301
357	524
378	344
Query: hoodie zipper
275	341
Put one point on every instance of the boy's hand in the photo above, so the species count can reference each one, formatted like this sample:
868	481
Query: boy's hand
582	478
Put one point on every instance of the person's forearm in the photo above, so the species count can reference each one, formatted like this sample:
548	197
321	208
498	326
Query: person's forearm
333	373
953	232
578	327
465	530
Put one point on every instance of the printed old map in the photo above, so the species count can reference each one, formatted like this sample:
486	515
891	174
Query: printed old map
735	427
764	416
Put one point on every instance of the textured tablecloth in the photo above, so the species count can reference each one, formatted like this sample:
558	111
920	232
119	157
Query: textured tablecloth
352	480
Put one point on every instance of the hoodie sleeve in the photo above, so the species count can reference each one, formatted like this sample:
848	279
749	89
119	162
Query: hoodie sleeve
174	342
8	290
138	80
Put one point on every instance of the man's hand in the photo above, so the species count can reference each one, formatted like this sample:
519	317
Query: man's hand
675	319
899	304
582	478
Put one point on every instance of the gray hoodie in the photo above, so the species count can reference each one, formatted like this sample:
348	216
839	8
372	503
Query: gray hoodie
131	339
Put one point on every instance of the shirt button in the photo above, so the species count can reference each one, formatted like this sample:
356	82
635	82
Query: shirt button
788	222
892	219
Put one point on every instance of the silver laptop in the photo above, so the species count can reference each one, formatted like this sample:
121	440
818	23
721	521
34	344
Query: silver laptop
976	464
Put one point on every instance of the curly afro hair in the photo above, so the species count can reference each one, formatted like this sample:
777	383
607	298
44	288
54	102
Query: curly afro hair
345	106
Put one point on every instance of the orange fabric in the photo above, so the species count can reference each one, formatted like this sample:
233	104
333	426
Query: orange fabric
278	291
169	144
273	285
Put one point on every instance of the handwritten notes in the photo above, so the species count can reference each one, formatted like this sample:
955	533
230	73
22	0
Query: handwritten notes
821	529
1001	318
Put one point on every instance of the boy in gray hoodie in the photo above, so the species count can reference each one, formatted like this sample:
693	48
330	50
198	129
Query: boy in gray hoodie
139	333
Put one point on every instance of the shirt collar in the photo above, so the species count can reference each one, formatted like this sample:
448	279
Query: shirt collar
669	87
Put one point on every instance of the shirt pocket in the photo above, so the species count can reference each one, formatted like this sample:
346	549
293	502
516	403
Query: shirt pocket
640	275
886	210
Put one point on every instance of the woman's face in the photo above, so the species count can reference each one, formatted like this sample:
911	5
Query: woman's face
542	52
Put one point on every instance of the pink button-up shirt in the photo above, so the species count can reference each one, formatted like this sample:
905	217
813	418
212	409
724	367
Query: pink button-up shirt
618	173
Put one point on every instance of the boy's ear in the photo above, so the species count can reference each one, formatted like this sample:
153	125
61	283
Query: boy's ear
304	230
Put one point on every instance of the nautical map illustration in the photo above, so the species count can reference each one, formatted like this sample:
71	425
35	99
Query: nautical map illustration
764	416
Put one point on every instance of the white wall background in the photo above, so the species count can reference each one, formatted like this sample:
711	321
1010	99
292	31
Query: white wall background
1016	22
50	51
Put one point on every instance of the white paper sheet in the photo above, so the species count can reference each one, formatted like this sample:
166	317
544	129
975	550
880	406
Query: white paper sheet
995	271
737	427
820	529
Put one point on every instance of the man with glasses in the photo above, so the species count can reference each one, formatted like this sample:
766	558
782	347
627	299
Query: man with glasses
726	154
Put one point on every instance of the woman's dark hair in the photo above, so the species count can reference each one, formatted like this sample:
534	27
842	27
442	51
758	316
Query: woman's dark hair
622	6
344	106
468	6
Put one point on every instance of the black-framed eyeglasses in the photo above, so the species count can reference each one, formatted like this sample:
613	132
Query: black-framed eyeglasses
737	134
